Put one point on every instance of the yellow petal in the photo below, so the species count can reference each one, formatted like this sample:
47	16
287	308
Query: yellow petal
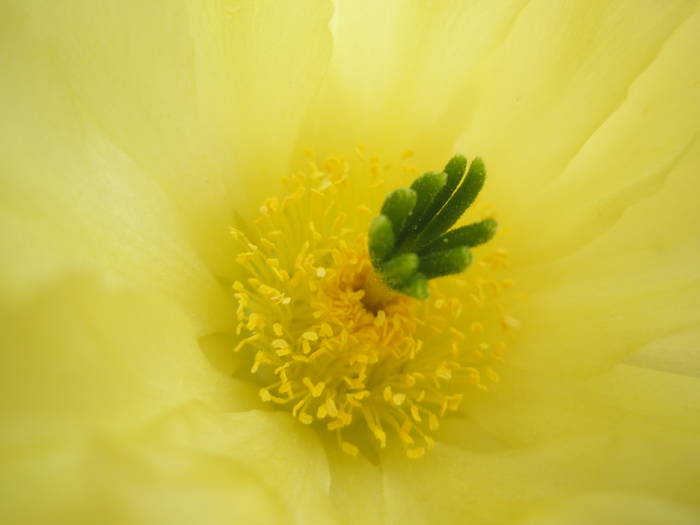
558	73
613	509
677	353
457	485
72	201
192	466
624	240
408	71
85	355
177	88
356	487
626	155
669	400
635	282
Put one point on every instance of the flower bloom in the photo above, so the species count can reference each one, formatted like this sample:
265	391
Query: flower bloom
146	238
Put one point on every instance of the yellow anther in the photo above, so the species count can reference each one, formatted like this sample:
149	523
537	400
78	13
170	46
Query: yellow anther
415	453
387	393
255	321
349	448
415	414
264	394
321	352
237	234
243	258
267	243
326	330
305	347
315	390
331	407
310	336
298	407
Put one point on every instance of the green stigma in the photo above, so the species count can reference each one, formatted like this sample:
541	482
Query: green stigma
409	242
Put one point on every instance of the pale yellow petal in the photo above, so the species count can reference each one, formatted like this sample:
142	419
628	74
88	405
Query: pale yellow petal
456	486
192	466
356	490
626	214
632	152
530	409
404	75
557	76
177	87
666	399
634	283
678	353
70	200
86	355
615	508
112	485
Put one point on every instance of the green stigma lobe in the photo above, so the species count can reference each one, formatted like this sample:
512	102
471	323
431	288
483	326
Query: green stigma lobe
461	199
446	262
397	207
381	239
407	242
426	187
397	271
470	235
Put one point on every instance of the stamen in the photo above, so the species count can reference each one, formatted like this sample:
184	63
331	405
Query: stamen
328	314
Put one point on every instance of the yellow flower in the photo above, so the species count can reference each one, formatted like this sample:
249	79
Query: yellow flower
137	134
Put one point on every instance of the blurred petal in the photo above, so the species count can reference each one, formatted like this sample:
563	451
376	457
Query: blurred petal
626	216
636	282
176	87
678	353
86	356
457	485
193	466
72	201
356	488
613	508
557	77
407	70
669	400
645	141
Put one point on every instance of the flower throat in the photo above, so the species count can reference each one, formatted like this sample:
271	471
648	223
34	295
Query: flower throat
351	330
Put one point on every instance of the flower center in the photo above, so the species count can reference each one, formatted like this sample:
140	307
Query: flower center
337	347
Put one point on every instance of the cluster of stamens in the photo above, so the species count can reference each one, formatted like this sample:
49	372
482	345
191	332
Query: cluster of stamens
323	350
